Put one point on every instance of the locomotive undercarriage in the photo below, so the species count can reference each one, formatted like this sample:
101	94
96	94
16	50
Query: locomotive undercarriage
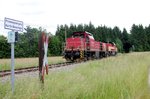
86	55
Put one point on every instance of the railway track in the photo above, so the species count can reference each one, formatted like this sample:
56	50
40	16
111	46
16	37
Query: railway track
4	73
32	69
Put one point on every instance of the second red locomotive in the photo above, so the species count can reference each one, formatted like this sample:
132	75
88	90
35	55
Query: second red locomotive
83	46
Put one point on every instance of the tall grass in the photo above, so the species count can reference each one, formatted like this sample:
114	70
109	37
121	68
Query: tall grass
27	62
121	77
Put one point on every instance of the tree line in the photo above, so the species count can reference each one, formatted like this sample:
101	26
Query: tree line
27	46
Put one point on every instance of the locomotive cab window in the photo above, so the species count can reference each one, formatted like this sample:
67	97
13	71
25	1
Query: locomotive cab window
90	35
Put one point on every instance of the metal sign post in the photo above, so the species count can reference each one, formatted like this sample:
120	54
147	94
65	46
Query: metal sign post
13	25
11	39
12	67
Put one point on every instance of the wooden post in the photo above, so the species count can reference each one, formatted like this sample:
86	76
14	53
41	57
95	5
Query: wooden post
41	53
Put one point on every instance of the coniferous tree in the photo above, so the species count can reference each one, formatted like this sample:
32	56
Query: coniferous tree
139	38
125	40
147	38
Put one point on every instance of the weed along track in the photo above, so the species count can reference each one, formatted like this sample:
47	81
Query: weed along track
32	69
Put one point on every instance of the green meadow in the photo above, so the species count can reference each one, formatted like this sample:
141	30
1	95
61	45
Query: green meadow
122	77
27	62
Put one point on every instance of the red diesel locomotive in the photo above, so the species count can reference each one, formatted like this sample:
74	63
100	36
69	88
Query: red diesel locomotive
83	46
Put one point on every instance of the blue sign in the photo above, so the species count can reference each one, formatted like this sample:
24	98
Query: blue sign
11	37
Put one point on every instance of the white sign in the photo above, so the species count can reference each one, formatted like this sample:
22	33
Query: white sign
12	24
11	37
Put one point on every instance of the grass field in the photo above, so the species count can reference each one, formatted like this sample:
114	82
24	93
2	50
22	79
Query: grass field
122	77
27	62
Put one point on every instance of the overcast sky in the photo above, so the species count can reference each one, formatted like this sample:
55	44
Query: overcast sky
50	13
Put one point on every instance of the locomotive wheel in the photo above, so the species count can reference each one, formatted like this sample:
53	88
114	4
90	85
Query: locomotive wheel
85	58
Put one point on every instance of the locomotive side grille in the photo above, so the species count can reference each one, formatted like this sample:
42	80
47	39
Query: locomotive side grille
75	44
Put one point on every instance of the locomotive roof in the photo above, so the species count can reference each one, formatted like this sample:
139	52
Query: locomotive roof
83	32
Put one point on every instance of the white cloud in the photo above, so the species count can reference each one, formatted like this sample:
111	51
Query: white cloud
49	13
